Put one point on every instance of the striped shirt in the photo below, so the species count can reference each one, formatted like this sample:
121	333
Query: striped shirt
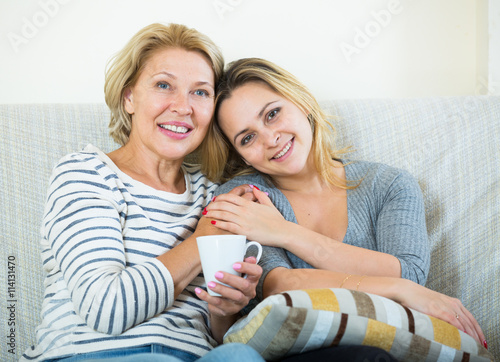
104	288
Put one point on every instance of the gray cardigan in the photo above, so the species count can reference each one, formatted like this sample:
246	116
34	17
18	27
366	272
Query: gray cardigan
385	213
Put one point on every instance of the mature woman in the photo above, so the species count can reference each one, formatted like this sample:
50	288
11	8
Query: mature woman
123	271
357	225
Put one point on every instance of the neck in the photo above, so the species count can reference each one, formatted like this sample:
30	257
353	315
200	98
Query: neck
145	166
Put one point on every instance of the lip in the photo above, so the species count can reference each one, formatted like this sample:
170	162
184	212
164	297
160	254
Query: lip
172	134
287	154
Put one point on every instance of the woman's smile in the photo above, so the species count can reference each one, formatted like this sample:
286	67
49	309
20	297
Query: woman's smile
175	130
285	151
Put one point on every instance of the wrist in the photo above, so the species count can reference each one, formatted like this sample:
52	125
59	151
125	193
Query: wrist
288	235
398	288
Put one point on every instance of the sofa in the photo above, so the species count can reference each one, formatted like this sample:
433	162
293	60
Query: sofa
450	144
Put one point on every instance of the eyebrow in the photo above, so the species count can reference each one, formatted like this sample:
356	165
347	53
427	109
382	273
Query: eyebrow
259	116
199	83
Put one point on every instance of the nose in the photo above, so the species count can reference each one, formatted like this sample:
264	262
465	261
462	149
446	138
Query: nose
272	137
180	104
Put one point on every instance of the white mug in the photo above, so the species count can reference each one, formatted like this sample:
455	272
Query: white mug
220	252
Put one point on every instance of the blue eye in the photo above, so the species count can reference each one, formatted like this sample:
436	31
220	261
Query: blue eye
201	92
246	139
163	85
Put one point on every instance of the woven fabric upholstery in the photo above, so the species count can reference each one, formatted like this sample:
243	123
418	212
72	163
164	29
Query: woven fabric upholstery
304	320
451	145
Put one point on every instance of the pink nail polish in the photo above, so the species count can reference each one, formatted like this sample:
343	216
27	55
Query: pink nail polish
267	193
251	186
197	290
219	275
211	284
236	266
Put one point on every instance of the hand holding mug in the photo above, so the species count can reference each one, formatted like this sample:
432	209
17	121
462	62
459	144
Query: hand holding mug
220	253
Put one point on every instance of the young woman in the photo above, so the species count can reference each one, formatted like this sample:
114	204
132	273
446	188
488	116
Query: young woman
329	222
119	231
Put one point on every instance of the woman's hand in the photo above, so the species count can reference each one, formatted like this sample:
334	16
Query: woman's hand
251	214
224	310
441	306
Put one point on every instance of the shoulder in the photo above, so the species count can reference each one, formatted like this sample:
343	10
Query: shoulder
85	171
87	161
379	173
382	180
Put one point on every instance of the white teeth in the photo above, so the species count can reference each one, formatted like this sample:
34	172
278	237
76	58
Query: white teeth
176	129
285	150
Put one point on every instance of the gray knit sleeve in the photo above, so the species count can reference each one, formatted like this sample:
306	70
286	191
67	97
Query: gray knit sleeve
401	228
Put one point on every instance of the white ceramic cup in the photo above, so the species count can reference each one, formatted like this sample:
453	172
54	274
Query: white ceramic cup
220	252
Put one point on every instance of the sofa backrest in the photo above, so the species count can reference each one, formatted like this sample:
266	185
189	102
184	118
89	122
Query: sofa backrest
450	144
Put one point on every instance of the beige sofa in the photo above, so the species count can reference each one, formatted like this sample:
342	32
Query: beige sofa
450	144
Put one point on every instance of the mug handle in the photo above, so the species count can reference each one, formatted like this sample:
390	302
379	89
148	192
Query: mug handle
259	253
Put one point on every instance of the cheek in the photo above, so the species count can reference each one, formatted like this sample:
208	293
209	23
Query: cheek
252	157
205	112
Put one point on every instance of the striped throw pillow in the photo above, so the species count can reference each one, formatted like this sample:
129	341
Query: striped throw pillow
302	320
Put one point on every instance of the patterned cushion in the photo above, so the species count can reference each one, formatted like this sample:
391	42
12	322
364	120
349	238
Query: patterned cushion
302	320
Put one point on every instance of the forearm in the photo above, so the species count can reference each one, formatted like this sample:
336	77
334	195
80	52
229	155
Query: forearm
323	252
183	261
281	279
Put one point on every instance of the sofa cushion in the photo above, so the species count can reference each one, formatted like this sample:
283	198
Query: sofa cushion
302	320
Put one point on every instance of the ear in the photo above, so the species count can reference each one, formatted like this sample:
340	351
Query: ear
128	101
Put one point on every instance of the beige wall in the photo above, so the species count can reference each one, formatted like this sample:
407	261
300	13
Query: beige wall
56	50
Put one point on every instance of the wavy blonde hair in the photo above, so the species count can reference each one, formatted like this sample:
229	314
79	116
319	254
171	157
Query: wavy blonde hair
220	160
125	67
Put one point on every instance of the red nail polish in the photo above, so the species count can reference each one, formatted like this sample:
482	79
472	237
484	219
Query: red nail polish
485	344
213	199
213	222
204	212
257	188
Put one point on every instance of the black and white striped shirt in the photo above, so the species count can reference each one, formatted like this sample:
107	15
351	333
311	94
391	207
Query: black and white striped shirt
104	288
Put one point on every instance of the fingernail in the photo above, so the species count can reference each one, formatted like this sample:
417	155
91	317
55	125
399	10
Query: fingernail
213	199
197	290
251	186
211	284
204	212
219	275
213	222
267	193
485	344
236	266
256	188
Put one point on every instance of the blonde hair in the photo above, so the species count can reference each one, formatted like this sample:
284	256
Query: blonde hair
125	67
220	160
